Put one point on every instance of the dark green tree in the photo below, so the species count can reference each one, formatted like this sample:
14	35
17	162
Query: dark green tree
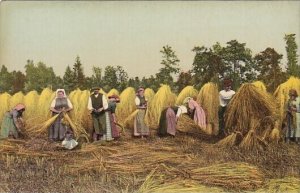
39	76
122	77
19	80
268	67
95	79
207	66
79	77
170	67
68	80
135	82
6	79
184	79
238	63
110	78
293	68
150	82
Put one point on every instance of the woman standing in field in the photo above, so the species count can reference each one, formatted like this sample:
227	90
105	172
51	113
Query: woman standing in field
12	122
168	120
111	128
140	127
59	105
196	112
293	116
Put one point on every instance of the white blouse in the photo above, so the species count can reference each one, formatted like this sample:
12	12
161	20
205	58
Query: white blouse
225	97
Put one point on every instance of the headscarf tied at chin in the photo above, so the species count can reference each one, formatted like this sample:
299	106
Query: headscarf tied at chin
60	90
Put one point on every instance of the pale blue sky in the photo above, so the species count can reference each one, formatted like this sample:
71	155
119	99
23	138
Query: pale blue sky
131	34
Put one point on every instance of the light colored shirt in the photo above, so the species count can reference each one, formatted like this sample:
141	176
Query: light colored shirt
104	101
138	101
69	104
181	109
225	97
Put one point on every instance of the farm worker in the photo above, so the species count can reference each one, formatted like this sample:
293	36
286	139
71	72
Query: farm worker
12	122
59	105
69	142
168	119
292	116
225	96
140	127
195	112
97	104
111	120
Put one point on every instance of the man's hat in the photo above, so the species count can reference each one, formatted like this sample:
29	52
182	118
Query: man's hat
95	88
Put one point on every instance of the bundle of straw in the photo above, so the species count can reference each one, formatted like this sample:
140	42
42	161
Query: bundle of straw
16	99
282	94
188	91
4	98
113	92
155	182
126	105
30	101
187	125
208	98
41	129
77	128
44	103
260	85
287	184
83	112
248	106
149	94
235	176
161	100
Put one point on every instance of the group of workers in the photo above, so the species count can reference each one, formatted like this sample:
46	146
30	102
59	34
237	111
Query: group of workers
104	119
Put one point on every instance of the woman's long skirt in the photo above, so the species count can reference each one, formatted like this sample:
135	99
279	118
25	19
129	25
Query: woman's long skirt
140	127
167	122
8	127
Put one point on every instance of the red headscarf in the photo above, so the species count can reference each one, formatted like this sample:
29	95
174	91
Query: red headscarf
19	107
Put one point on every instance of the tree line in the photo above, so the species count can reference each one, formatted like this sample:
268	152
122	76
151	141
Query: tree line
234	60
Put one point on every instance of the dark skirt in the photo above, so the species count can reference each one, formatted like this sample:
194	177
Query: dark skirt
167	122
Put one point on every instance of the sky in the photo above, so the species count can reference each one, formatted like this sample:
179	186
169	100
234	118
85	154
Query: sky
131	34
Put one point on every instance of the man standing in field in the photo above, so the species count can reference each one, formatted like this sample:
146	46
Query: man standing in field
97	105
225	96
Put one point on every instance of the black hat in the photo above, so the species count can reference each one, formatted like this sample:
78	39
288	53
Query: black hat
95	88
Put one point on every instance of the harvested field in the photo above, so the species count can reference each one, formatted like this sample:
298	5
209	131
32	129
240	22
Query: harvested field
186	163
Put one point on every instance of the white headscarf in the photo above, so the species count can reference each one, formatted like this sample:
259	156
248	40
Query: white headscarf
60	90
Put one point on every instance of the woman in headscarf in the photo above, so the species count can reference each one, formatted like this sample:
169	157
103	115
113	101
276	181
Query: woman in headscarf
168	120
12	122
111	120
195	112
293	116
140	127
59	105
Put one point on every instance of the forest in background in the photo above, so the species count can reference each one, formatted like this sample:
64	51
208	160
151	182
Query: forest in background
210	64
